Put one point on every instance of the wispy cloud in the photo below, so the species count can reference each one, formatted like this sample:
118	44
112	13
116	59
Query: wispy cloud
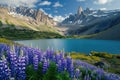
58	18
102	1
57	4
103	8
45	3
80	0
29	3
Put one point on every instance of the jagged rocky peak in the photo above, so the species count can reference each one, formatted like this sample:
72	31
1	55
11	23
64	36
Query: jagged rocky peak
80	10
88	11
37	14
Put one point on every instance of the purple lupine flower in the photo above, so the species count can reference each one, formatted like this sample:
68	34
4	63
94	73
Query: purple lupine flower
100	73
69	62
6	68
30	55
59	66
71	71
39	53
54	59
110	76
47	53
51	54
64	64
1	70
57	58
61	54
21	68
13	64
26	57
45	66
35	62
77	73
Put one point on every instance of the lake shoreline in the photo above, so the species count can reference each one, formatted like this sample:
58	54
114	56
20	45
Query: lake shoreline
77	45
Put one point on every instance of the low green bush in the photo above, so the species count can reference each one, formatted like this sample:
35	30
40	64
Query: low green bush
101	54
1	23
51	73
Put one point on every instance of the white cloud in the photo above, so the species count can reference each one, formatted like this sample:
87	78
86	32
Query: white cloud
58	18
45	3
50	15
57	4
28	3
103	8
80	0
102	1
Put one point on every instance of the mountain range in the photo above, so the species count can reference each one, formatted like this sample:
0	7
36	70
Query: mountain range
89	22
98	24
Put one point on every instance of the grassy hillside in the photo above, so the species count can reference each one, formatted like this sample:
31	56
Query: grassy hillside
109	34
16	34
112	33
18	27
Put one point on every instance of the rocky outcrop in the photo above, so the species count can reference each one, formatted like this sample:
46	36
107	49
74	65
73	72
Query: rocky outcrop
80	10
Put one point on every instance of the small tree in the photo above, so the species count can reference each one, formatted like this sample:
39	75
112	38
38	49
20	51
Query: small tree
1	23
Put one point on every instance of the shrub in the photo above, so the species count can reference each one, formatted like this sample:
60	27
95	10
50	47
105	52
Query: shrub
1	23
9	24
101	54
84	57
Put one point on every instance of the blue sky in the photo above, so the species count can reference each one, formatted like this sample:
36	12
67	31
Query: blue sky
62	8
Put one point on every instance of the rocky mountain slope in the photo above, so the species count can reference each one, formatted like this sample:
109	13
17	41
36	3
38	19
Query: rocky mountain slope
87	17
24	23
87	22
112	33
37	15
26	18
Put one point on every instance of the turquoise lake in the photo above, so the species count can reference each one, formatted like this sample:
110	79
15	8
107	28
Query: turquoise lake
76	45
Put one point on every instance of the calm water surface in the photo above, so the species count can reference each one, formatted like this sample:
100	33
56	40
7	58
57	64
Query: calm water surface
77	45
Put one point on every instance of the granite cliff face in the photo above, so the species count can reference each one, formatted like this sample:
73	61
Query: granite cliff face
80	10
26	18
38	15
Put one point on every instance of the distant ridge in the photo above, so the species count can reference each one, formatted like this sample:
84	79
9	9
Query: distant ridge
87	22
